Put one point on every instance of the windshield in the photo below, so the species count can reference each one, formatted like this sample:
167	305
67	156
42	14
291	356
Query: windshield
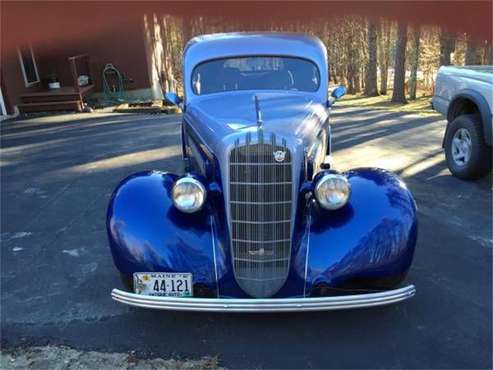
255	73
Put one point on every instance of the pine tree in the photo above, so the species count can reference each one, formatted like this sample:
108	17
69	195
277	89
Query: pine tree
384	54
371	67
398	95
413	83
472	57
447	47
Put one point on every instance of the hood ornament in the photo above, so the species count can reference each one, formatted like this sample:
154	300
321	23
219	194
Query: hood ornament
279	155
260	123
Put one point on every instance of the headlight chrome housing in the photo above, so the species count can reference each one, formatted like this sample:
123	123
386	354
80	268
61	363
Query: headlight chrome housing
188	194
332	191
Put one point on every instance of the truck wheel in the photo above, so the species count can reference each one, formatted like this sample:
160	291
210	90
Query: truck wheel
468	156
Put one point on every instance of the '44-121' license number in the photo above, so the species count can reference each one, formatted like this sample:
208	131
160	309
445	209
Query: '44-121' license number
163	284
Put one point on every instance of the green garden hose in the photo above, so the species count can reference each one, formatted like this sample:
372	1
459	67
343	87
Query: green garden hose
115	92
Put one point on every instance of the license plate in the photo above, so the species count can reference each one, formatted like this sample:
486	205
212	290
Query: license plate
163	284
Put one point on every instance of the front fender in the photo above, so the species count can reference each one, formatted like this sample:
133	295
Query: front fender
372	237
147	233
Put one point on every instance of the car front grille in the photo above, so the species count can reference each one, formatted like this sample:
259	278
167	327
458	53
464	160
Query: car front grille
260	189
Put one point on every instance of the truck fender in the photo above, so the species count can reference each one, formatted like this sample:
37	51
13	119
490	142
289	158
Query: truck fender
484	111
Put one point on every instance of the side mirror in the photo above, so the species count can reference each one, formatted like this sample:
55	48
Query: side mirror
338	92
172	98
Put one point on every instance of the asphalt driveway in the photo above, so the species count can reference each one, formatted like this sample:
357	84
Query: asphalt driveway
57	174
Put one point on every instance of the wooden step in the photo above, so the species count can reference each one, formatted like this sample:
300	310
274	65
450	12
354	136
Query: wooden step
48	98
65	93
51	106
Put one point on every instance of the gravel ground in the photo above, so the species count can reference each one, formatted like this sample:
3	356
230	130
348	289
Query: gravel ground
61	358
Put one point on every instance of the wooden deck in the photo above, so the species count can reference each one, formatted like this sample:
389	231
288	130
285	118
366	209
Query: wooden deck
65	98
65	90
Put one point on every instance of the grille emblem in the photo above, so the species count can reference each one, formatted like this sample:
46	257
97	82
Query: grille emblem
279	155
260	252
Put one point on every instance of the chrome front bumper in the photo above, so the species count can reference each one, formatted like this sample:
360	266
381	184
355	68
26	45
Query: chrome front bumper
265	305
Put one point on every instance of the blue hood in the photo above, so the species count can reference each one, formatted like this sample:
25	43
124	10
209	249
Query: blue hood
219	118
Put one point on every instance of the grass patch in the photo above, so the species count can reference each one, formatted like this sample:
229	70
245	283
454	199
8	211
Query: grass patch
421	105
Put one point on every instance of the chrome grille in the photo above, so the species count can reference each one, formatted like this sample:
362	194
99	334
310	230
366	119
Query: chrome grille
260	190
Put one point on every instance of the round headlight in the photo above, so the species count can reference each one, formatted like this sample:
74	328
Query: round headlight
332	191
188	194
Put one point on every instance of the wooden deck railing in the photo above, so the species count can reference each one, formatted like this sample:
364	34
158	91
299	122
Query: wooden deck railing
84	58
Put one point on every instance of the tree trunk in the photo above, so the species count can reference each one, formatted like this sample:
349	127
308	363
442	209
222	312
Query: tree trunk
362	79
357	81
166	73
398	95
352	49
334	76
187	26
472	56
447	47
489	54
351	70
350	80
384	55
371	67
413	81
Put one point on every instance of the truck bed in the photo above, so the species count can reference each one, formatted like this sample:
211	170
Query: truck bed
479	73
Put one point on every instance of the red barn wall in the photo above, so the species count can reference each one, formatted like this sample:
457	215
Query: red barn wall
122	44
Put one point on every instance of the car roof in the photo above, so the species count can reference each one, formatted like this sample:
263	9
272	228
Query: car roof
224	45
220	45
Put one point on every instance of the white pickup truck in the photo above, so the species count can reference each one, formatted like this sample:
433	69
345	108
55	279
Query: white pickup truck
465	96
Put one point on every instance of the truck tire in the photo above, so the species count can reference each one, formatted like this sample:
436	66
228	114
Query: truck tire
467	154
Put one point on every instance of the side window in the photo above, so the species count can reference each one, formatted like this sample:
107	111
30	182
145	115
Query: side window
28	65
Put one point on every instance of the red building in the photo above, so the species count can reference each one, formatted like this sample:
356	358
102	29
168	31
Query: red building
67	48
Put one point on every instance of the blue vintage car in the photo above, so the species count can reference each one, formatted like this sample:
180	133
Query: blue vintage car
260	221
